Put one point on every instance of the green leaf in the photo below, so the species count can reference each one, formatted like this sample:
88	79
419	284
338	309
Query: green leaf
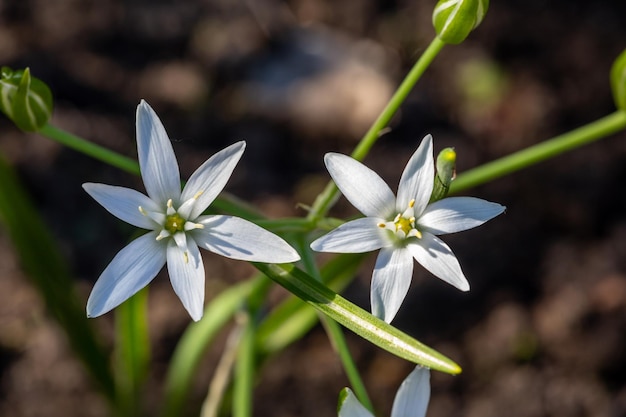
243	383
356	319
26	100
132	352
197	338
293	318
45	267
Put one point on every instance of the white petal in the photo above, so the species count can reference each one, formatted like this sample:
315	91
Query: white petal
437	257
349	406
131	270
418	178
211	177
123	203
187	276
361	186
456	214
356	236
390	282
159	168
237	238
413	395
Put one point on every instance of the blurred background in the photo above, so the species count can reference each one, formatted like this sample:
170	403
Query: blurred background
543	330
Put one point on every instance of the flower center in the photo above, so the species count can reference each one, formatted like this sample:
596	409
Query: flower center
174	223
403	225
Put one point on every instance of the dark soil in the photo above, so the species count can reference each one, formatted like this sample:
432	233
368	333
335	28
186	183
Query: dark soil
542	333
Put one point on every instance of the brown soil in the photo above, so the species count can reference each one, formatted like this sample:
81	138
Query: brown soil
543	330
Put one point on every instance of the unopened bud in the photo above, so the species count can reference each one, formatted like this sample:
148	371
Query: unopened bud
618	81
455	19
446	171
26	100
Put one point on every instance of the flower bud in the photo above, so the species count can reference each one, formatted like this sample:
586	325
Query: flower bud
26	100
618	81
455	19
446	171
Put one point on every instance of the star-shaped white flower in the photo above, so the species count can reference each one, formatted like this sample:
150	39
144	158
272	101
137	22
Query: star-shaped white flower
411	399
403	228
176	222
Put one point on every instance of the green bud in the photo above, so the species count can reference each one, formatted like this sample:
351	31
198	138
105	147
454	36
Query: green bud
446	171
618	81
26	100
455	19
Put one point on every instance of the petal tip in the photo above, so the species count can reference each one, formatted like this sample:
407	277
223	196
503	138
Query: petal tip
196	317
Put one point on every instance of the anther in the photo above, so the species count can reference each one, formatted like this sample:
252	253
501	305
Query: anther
170	207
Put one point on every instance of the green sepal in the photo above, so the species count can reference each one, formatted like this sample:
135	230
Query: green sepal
455	19
343	395
26	100
618	81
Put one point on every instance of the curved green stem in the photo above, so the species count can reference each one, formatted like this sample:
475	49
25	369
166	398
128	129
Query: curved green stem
88	148
325	200
540	152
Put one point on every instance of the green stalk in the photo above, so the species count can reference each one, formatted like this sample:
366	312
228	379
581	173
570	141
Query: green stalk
132	352
336	336
324	201
534	154
88	148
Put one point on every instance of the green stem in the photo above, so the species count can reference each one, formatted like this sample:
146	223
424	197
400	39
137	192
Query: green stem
334	332
325	200
225	202
540	152
88	148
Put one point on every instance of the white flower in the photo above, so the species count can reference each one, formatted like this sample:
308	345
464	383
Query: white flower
176	222
404	228
411	400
